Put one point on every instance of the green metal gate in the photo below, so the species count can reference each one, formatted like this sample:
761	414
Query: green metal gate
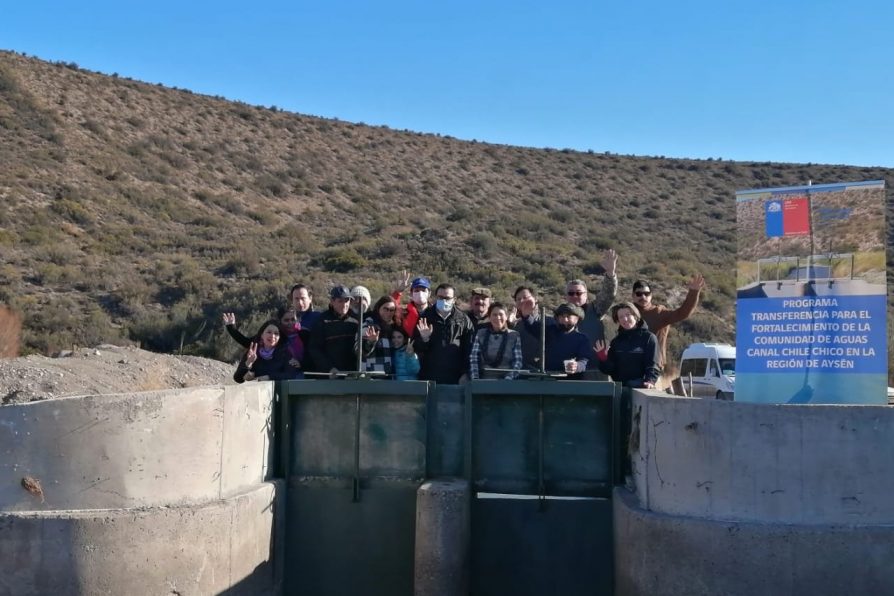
544	459
354	453
541	457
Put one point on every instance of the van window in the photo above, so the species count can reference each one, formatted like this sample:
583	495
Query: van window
694	366
728	366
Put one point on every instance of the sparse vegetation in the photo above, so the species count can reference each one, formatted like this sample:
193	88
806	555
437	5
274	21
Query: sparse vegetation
134	212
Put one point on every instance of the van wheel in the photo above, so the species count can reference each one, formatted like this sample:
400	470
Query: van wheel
719	395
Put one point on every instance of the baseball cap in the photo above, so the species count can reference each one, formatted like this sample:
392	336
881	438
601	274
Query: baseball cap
421	282
339	292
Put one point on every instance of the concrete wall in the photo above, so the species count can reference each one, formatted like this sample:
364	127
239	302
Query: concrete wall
739	498
670	555
149	493
224	546
765	462
136	450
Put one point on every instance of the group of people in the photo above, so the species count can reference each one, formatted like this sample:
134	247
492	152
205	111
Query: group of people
431	338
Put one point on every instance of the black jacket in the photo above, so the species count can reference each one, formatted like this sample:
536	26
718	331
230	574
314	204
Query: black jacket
277	368
529	330
633	356
332	342
444	358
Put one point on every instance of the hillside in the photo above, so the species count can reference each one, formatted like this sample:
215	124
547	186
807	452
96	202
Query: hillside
135	212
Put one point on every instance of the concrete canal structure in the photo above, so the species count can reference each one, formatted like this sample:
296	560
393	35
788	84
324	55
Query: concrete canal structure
374	487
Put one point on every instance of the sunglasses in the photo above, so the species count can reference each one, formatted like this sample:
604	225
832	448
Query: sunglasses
640	294
575	293
389	308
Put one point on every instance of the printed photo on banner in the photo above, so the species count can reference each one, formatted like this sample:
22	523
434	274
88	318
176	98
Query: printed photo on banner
811	310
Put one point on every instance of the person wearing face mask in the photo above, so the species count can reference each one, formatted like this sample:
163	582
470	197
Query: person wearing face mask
632	356
420	290
567	349
443	339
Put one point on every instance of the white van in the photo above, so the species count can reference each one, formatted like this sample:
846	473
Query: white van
712	368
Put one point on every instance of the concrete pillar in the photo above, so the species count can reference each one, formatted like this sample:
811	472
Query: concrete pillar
442	538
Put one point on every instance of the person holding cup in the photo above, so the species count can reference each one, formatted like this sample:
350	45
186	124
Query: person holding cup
567	349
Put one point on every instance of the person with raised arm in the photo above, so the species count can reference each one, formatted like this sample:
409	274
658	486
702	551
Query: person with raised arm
443	339
658	317
267	358
593	323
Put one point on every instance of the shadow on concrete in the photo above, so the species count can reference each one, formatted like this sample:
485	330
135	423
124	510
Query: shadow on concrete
261	581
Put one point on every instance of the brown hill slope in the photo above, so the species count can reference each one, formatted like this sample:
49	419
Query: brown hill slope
137	212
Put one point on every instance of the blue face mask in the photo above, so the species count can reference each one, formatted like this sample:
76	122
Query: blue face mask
444	305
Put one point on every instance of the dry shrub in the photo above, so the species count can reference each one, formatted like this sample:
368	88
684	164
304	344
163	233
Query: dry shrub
10	333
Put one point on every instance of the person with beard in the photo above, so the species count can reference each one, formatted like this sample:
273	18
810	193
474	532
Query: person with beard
360	301
632	356
479	307
443	339
567	349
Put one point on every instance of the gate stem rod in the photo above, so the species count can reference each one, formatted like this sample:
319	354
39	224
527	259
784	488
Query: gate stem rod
355	483
541	489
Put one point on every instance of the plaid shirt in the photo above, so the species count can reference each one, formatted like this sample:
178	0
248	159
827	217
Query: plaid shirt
512	359
377	357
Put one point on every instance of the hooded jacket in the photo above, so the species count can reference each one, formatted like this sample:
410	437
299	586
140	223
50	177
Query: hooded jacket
632	357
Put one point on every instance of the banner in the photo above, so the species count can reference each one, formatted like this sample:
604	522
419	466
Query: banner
811	304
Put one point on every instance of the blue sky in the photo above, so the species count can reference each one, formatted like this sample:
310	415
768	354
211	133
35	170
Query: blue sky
791	81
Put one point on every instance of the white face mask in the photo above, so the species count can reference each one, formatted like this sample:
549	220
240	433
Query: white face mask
420	296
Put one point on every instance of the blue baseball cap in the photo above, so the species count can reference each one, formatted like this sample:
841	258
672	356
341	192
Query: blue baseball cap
421	282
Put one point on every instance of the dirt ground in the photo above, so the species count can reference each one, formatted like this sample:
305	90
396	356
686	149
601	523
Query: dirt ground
104	369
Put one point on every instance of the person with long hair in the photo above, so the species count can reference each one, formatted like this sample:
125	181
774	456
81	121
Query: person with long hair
267	357
377	327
